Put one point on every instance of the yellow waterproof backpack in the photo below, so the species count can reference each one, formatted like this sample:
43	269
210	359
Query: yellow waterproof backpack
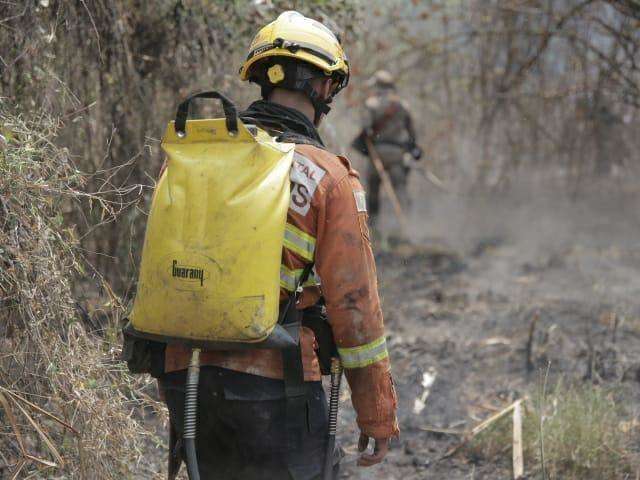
210	270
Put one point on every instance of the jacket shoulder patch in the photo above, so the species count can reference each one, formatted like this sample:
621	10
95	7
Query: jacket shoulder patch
305	177
361	201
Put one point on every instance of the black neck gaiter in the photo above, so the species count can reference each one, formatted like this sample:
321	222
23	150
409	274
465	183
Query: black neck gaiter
288	124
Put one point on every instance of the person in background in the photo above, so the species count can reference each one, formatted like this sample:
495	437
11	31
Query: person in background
388	124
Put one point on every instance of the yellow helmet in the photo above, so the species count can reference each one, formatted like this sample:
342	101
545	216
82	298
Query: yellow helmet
296	36
284	46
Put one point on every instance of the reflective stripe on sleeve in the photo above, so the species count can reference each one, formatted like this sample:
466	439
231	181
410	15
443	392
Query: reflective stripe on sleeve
299	242
358	357
289	278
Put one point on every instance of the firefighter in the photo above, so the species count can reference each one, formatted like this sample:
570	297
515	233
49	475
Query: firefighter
244	420
388	123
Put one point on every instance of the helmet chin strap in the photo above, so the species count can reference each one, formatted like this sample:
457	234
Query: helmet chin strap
320	105
298	78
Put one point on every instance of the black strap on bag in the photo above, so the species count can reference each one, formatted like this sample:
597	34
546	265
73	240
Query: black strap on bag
230	112
293	371
142	355
175	452
315	319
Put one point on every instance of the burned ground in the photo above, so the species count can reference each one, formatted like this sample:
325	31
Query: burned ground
476	311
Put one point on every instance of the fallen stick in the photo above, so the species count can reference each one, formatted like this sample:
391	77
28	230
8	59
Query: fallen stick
484	406
480	428
43	436
518	458
14	424
19	468
483	425
38	409
446	431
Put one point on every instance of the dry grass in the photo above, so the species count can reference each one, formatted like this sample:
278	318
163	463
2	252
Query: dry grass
67	405
585	435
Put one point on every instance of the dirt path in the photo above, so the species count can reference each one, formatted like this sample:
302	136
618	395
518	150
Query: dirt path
459	320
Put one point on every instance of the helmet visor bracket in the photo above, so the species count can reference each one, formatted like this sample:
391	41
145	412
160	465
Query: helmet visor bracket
293	47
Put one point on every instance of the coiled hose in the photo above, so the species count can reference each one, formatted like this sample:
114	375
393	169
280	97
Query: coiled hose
334	403
190	414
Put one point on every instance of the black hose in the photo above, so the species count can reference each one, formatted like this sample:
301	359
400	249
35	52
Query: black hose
192	459
334	403
328	459
190	414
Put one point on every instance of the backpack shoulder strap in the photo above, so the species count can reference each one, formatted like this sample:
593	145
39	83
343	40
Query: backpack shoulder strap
289	315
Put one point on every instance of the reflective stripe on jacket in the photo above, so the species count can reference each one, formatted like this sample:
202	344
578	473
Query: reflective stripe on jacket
327	225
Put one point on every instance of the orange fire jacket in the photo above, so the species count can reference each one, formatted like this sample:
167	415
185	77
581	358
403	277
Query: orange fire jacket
327	225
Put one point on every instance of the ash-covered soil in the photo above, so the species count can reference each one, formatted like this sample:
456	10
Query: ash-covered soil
459	306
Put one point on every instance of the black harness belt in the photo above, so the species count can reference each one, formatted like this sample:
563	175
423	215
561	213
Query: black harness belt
296	391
